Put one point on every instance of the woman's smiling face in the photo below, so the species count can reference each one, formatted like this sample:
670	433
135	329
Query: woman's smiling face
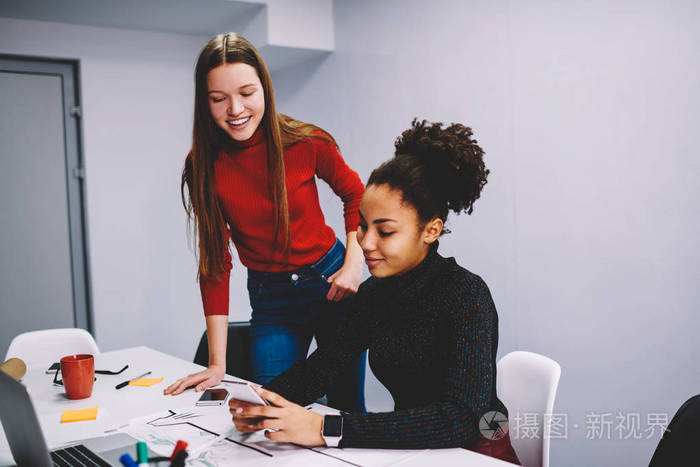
390	233
236	99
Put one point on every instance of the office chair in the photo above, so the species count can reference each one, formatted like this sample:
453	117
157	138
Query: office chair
527	383
237	350
48	345
679	444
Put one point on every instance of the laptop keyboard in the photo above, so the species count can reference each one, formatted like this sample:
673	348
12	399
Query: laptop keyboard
76	456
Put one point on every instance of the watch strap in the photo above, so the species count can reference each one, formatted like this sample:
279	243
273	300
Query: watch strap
332	430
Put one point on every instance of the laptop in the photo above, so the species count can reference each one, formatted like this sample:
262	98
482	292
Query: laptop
27	441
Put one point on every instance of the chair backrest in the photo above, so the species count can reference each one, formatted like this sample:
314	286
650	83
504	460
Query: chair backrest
679	444
49	345
237	350
527	384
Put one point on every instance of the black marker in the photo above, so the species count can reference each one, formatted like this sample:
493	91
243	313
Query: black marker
121	385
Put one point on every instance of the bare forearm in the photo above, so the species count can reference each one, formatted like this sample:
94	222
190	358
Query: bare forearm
217	333
353	252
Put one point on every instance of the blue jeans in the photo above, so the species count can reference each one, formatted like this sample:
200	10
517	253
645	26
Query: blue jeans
289	308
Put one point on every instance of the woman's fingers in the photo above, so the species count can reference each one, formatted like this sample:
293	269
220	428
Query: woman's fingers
266	424
202	380
243	410
256	411
273	397
343	285
280	436
245	425
256	417
178	386
332	292
288	421
172	387
338	292
333	276
236	403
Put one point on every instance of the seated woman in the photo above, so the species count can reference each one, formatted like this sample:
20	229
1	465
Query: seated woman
430	325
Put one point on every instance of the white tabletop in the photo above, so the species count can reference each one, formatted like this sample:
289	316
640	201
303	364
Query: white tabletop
117	407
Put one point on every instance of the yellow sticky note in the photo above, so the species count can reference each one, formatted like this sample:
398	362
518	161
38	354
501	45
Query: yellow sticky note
81	415
146	382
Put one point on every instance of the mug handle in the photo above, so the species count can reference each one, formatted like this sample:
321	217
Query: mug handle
56	381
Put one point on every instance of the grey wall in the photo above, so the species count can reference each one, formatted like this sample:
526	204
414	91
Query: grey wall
587	232
137	105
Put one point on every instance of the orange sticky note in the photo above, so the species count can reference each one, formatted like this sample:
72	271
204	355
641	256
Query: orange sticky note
145	382
81	415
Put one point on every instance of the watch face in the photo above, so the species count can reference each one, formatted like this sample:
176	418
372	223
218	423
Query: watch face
332	425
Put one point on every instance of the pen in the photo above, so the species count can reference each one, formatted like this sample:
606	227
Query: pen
180	446
179	460
121	385
142	453
127	461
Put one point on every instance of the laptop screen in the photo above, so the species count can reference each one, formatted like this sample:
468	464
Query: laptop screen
21	424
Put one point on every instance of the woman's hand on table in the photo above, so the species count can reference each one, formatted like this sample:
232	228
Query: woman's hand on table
294	423
201	380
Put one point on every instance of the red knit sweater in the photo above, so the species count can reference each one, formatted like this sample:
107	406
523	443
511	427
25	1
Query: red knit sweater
242	186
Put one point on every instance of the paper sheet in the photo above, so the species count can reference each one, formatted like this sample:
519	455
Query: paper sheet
57	434
162	430
226	453
214	442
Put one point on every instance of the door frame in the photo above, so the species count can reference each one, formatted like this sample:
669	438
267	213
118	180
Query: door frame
68	71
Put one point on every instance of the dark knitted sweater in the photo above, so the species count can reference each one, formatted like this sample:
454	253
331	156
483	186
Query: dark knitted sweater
432	335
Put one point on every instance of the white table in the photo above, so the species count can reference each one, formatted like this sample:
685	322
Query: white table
117	407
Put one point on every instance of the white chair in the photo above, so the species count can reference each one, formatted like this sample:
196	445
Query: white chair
49	345
527	384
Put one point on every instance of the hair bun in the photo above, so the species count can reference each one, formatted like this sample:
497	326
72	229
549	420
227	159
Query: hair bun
453	161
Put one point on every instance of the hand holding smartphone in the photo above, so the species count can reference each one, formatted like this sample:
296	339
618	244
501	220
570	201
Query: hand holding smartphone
245	392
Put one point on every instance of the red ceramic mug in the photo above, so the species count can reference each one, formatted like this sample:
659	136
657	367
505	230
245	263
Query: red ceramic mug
78	372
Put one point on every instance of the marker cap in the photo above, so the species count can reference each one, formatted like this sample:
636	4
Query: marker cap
142	452
127	460
179	446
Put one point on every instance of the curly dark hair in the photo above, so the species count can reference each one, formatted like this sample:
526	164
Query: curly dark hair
436	169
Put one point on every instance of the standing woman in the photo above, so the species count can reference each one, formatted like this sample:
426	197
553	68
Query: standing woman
431	325
250	179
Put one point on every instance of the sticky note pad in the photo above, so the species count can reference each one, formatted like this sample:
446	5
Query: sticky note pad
81	415
146	382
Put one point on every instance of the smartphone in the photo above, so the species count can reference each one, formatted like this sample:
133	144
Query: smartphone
53	368
244	392
213	397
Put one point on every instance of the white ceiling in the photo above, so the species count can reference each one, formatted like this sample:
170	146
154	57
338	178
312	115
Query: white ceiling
198	17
